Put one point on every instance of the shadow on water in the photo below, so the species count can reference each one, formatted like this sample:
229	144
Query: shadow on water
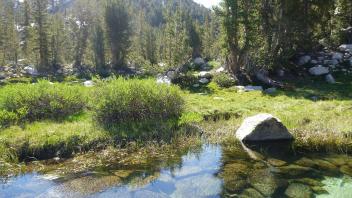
228	170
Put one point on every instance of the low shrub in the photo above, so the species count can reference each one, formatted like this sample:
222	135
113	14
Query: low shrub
224	80
185	80
43	100
7	118
122	101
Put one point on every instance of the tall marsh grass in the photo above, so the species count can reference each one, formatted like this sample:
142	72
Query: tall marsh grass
124	101
43	100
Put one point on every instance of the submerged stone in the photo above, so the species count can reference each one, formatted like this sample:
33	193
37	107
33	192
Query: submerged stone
265	182
276	162
346	170
309	181
326	166
296	190
251	193
319	190
306	162
294	170
263	127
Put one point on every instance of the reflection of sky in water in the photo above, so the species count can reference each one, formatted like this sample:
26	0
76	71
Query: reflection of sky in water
195	178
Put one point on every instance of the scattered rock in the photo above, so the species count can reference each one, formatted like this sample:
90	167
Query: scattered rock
276	162
163	80
326	166
30	70
314	62
171	74
346	47
337	56
280	73
296	190
205	74
309	182
199	61
270	90
304	60
249	88
204	81
265	182
2	76
318	70
196	85
251	193
346	170
332	62
263	127
88	83
306	162
319	190
330	79
294	170
221	69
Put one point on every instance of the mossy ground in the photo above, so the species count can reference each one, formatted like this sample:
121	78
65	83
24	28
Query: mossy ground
318	114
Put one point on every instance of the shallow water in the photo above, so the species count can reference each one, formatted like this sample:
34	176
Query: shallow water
210	171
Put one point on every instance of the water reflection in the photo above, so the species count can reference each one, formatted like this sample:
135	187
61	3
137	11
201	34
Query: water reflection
229	170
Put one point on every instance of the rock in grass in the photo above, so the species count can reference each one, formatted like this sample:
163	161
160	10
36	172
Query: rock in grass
88	83
330	79
318	70
298	190
263	127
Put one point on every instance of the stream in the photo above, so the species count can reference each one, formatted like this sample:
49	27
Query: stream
210	171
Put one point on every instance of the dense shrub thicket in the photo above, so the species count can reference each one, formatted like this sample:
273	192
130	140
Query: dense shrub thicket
133	101
43	100
224	80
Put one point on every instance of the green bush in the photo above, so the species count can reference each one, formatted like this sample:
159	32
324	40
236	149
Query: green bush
7	118
185	80
124	101
43	100
224	80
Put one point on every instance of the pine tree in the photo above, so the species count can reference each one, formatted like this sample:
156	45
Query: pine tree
99	50
117	21
40	14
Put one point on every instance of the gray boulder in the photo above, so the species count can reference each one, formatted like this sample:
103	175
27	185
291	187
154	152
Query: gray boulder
319	70
331	62
337	56
304	60
163	80
2	76
330	79
263	127
346	47
30	70
88	83
270	90
199	61
204	81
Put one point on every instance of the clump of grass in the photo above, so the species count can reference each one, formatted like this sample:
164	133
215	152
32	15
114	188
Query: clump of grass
224	80
43	100
133	101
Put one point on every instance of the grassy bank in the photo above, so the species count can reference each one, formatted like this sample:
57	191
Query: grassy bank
317	114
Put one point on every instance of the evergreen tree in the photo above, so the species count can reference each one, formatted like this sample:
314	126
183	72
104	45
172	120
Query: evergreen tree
117	21
40	13
99	50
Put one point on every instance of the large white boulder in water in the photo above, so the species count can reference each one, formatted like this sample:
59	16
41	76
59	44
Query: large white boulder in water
263	127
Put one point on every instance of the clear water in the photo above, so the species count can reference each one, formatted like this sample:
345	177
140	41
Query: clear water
210	171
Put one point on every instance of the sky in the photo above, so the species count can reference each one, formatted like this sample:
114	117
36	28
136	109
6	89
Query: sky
208	3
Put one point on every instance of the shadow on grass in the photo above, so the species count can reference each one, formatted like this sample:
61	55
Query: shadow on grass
318	89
